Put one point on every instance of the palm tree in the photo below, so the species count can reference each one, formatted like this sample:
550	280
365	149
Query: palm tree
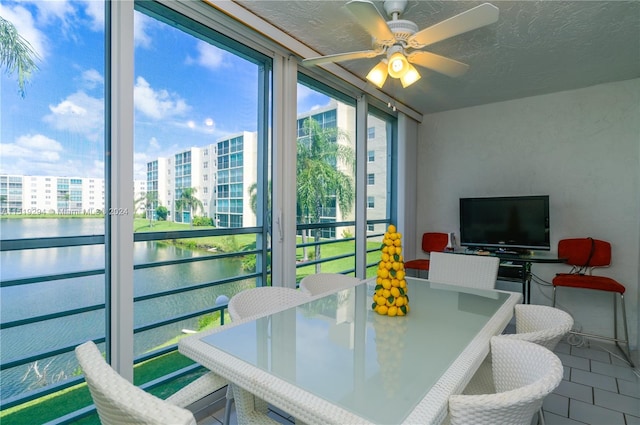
190	202
253	197
16	54
149	201
319	180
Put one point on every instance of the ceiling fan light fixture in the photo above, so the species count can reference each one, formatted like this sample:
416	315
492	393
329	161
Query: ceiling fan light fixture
398	65
378	74
411	76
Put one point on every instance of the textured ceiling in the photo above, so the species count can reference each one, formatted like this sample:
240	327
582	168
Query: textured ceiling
536	47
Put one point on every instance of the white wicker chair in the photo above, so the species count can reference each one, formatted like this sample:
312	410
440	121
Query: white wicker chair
320	283
120	402
540	324
262	300
524	374
472	271
255	302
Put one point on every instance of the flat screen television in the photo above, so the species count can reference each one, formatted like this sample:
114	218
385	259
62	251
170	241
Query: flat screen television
509	223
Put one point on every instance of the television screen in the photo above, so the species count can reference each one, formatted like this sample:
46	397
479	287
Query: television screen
507	223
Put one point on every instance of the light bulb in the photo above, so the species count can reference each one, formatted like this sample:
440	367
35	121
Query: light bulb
398	65
378	74
410	77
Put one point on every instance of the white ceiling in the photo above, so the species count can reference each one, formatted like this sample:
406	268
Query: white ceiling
536	47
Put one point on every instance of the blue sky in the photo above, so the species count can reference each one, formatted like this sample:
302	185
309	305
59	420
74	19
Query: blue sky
187	92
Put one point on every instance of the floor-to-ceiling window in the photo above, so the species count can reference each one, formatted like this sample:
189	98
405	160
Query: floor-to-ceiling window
379	171
52	191
200	141
326	180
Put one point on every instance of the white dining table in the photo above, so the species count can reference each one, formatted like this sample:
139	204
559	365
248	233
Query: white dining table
332	360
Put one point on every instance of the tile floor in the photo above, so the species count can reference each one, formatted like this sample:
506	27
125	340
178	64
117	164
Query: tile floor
598	388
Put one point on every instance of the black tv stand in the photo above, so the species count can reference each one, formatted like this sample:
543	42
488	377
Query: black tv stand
515	265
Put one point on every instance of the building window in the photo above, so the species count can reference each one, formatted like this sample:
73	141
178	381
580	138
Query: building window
371	156
371	179
371	202
371	132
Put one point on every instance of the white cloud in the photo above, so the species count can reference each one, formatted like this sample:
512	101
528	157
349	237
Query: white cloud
25	24
153	144
78	113
30	154
92	78
141	23
39	155
209	56
95	9
303	92
159	104
55	12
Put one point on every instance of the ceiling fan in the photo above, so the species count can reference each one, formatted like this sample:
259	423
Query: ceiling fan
401	41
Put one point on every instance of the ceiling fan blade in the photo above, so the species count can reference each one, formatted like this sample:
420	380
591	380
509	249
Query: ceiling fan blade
341	57
369	18
446	66
472	19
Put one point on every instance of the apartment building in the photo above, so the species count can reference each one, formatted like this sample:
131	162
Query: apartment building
223	174
57	195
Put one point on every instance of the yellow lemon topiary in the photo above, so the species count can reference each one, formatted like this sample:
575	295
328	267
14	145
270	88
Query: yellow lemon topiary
390	298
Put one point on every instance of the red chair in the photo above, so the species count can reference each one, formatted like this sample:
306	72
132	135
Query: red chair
431	242
584	254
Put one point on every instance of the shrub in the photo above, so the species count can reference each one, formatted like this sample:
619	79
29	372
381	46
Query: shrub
202	221
161	213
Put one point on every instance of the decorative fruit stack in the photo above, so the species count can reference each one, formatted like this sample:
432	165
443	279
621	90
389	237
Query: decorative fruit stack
390	298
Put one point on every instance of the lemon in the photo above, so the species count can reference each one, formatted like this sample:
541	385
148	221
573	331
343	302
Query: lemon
386	293
391	250
397	266
403	283
385	256
385	248
400	312
395	282
383	273
399	275
397	249
400	301
381	301
391	228
386	283
382	309
392	311
395	292
397	242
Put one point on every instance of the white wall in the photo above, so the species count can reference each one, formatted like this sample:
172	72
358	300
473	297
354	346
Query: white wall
580	147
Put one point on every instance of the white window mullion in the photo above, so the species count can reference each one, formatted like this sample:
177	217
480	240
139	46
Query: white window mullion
283	270
362	112
119	169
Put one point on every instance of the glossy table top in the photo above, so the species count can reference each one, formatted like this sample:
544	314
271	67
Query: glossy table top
377	368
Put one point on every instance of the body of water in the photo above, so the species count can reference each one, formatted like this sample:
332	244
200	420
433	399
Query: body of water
26	301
